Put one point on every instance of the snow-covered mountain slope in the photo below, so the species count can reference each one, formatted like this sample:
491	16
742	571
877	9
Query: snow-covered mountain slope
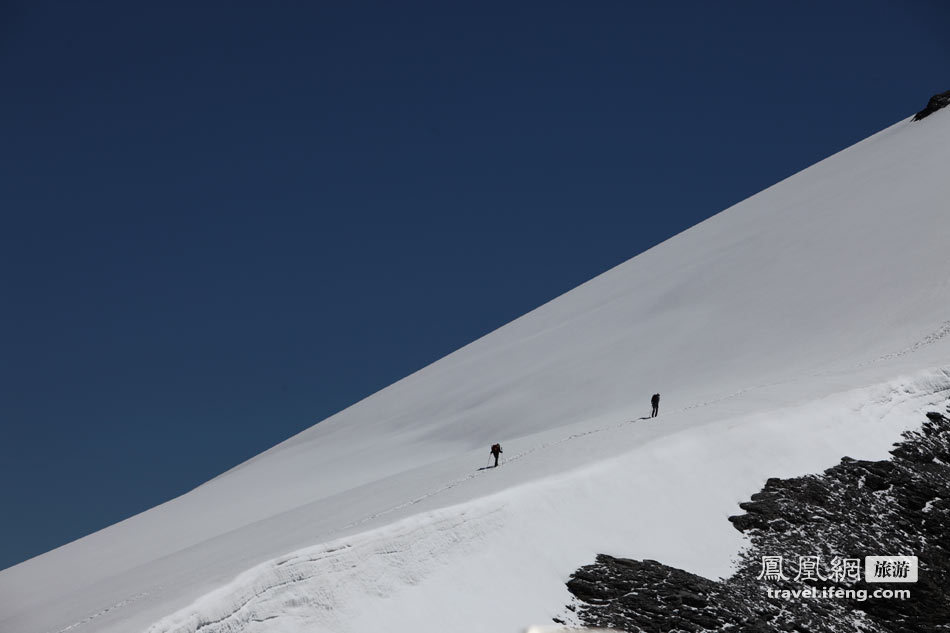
802	324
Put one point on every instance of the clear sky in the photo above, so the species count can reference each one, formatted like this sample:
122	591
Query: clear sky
223	222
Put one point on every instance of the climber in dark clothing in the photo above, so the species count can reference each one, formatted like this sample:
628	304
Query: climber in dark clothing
496	451
655	401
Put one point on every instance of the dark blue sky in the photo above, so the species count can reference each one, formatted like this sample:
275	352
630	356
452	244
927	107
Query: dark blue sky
223	222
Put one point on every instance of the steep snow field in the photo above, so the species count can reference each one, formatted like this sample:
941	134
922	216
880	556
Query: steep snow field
803	324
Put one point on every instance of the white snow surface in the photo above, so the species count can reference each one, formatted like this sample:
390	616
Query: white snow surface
803	324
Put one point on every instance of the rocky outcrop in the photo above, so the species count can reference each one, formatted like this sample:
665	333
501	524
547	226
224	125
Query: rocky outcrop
936	102
858	508
633	595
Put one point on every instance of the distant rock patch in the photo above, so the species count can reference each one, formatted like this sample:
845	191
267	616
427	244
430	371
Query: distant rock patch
936	102
899	506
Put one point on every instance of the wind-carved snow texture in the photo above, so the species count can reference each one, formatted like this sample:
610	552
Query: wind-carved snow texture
315	586
899	506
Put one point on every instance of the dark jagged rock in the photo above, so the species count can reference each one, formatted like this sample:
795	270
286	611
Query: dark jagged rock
858	508
936	102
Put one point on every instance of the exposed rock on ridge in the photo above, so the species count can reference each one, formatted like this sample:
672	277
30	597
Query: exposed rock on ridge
936	102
